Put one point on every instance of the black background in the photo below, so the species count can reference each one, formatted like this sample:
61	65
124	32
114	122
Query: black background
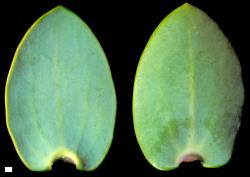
123	29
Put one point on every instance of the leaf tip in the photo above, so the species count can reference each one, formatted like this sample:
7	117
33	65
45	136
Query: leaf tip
187	6
59	7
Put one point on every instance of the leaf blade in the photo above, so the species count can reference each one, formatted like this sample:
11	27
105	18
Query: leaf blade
180	82
60	75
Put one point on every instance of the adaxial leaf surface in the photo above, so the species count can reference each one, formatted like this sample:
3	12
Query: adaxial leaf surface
188	92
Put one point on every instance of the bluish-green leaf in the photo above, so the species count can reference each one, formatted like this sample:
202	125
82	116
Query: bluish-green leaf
188	92
60	97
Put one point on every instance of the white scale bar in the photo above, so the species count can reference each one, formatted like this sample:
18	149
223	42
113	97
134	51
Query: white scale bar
8	169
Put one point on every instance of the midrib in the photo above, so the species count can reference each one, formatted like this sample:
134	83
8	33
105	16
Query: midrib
191	83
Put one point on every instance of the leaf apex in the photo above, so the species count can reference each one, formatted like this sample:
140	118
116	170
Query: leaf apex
186	5
59	7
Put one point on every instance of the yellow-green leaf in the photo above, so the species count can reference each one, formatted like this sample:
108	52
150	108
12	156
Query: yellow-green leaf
188	92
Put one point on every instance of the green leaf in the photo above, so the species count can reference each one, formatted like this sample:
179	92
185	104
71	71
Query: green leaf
60	97
188	92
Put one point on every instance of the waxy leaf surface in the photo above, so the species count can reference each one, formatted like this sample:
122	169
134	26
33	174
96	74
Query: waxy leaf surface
60	97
